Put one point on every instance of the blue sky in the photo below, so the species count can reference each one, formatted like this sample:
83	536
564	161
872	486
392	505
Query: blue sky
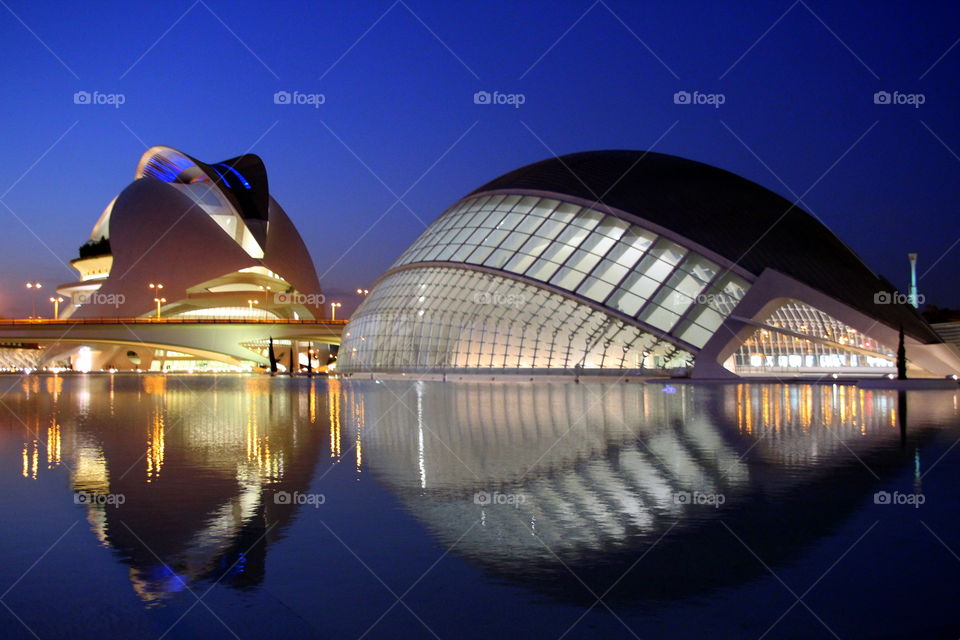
399	120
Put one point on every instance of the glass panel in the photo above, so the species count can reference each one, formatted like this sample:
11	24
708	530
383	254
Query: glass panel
588	219
610	272
567	278
542	269
565	211
498	258
583	261
598	243
659	317
696	335
668	251
519	263
572	236
479	255
529	224
595	289
542	209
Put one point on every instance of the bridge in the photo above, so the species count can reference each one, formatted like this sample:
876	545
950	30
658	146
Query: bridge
221	339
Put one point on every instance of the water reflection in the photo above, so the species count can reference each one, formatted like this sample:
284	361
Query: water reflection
523	480
196	461
590	478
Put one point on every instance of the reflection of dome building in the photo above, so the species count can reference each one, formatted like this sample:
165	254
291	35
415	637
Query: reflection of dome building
211	234
198	478
633	260
557	480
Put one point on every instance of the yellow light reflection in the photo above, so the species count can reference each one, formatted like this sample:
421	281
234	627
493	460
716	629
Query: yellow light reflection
53	444
31	457
156	441
333	400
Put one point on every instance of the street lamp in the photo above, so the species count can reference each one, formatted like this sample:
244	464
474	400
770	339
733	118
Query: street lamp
250	304
34	286
159	301
362	292
56	307
333	309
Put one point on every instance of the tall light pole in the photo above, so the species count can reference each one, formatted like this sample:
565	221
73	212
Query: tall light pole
333	309
56	307
913	279
362	292
159	301
250	304
34	286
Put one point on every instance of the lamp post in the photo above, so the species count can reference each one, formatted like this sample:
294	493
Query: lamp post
362	292
250	304
56	307
159	301
333	309
34	286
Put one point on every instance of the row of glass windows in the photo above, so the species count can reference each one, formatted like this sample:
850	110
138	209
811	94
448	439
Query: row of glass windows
839	346
800	317
444	317
586	252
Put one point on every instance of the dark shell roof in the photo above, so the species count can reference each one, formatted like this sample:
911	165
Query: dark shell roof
738	219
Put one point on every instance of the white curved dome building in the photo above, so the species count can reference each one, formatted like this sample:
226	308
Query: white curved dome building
631	260
210	233
193	241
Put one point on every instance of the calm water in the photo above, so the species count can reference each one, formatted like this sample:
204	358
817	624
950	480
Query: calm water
221	507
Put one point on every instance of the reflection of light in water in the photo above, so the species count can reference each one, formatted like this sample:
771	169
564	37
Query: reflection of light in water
154	384
333	395
90	475
54	386
845	409
420	460
599	476
30	385
156	438
358	419
84	360
53	443
30	457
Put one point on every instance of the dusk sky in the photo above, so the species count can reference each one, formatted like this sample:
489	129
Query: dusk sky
399	120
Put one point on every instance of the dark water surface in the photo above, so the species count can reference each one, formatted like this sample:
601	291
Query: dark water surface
230	506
